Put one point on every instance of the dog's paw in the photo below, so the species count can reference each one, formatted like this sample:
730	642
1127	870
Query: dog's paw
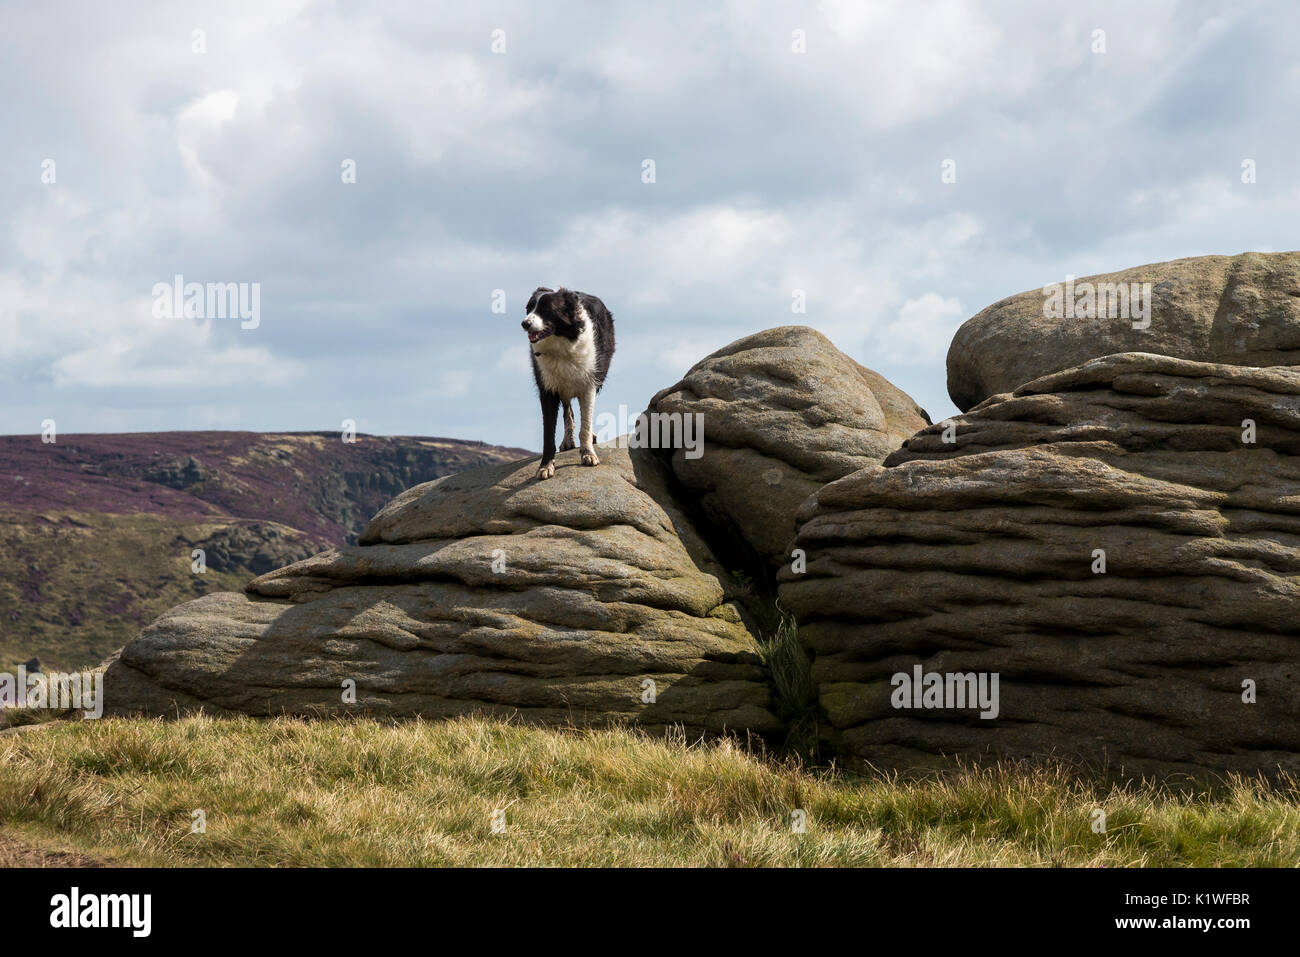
589	457
546	471
567	444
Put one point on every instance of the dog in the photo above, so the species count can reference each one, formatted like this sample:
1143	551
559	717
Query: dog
571	339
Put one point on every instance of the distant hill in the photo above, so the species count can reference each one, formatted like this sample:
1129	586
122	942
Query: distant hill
96	531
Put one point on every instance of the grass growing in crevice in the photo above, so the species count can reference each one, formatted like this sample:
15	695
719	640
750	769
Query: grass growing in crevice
753	591
288	792
794	695
793	692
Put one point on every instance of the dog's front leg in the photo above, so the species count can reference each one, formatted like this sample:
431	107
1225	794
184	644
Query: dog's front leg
550	409
568	442
587	402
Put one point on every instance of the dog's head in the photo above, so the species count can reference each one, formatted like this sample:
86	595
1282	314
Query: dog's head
553	313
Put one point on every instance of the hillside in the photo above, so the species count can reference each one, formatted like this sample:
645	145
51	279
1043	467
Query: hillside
96	531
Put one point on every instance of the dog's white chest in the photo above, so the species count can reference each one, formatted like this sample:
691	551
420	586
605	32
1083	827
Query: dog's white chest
567	367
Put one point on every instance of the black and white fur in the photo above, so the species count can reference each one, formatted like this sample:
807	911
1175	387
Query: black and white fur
571	339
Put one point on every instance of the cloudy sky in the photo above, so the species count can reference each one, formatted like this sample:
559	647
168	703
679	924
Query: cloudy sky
478	170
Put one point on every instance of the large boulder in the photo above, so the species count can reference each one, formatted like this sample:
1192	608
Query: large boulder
587	599
1241	310
980	549
783	412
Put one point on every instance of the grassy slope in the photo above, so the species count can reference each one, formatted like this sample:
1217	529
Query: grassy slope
96	530
101	578
287	792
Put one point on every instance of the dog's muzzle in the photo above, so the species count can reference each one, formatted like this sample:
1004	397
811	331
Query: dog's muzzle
536	331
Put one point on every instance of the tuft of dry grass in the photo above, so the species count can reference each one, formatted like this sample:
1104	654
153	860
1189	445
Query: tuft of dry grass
286	792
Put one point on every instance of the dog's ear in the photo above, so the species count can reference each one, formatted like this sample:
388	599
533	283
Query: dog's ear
570	300
537	294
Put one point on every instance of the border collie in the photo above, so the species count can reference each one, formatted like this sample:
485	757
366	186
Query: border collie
571	338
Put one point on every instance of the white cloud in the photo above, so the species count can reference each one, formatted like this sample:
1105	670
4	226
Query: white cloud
514	359
199	123
776	172
455	383
920	334
676	357
119	365
917	59
129	349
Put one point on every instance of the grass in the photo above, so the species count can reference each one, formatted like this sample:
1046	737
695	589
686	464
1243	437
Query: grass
789	669
75	587
794	694
287	792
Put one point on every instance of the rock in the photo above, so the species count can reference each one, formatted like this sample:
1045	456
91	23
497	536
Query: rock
784	412
257	546
1241	310
981	556
567	601
33	665
181	473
